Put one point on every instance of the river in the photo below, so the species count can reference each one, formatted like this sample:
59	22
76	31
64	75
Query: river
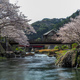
38	67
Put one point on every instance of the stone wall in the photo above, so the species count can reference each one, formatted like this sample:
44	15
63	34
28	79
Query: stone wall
68	60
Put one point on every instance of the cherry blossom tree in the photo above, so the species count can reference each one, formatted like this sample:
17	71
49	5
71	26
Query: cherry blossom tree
13	24
70	32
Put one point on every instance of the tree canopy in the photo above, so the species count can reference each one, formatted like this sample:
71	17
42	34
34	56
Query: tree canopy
47	24
14	24
70	32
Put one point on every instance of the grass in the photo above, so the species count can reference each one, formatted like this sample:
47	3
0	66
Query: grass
47	50
60	53
3	58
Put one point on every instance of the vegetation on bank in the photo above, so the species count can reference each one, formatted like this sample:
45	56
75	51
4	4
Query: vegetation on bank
20	49
65	56
57	49
3	58
47	50
68	57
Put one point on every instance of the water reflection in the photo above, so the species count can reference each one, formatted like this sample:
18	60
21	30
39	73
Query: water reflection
38	67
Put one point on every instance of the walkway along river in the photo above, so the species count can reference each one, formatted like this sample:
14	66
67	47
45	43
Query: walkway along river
38	67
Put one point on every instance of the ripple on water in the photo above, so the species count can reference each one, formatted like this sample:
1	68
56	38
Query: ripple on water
38	67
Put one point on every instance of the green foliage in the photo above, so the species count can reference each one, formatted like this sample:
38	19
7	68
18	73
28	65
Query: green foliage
74	45
78	59
2	39
56	47
61	47
38	39
65	47
73	49
46	24
3	58
19	49
61	52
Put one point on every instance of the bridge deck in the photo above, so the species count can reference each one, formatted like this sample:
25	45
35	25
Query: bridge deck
46	42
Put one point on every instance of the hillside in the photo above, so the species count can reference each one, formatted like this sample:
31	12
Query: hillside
47	24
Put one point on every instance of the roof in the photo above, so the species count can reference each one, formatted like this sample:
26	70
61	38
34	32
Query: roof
49	32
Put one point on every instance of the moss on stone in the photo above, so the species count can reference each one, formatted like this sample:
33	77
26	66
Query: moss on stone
67	59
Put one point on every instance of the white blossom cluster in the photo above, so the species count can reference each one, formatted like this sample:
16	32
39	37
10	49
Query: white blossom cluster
70	32
13	24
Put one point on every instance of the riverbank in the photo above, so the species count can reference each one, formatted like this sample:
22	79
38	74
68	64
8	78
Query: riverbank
65	57
68	58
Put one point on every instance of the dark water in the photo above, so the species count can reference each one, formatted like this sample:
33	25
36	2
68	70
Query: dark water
39	67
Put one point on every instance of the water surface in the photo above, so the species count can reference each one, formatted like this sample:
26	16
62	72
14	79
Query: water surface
38	67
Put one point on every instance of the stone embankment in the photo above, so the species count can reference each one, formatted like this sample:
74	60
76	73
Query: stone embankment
11	54
70	59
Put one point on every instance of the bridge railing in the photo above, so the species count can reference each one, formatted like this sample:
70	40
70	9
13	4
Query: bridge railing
46	42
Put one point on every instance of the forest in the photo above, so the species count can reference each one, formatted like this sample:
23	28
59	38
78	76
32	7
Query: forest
47	24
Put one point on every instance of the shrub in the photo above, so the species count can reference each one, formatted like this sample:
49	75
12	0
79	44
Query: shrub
19	49
73	49
65	47
56	47
38	39
74	45
61	47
